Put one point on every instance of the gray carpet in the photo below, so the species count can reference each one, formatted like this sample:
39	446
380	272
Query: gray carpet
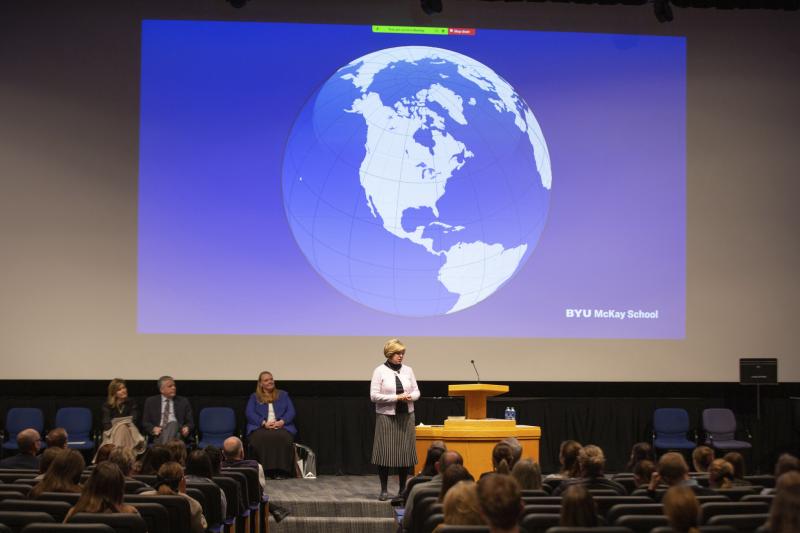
332	504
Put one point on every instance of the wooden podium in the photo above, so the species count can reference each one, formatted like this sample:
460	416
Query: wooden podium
474	435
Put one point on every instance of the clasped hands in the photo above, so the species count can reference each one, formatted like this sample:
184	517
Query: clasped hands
274	424
405	397
157	431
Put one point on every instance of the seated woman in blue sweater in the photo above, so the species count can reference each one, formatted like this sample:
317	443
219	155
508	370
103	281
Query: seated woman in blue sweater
270	428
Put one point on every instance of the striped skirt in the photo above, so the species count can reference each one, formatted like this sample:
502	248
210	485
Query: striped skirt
395	440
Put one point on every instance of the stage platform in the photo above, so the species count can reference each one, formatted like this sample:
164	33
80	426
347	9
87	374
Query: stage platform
332	504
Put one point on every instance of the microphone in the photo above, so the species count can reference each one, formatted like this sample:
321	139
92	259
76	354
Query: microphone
476	369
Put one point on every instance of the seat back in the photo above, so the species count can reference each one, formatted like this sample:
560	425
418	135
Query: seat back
670	422
9	475
539	522
10	494
253	485
16	520
741	522
244	491
765	480
177	508
67	528
215	424
444	528
707	510
703	529
233	495
70	498
602	529
625	509
213	502
641	523
604	503
120	522
24	488
720	424
58	510
155	516
19	418
737	493
78	423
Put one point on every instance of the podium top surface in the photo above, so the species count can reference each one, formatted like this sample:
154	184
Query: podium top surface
485	388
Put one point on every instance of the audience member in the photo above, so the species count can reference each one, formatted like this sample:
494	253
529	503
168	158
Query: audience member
29	443
568	458
233	456
578	508
172	482
642	472
786	463
451	476
153	458
701	458
460	505
516	449
215	456
736	460
592	461
682	509
63	475
270	428
500	502
502	458
641	451
784	514
720	474
45	459
103	452
435	451
124	459
673	471
57	438
120	418
528	474
448	458
167	416
177	451
103	492
199	470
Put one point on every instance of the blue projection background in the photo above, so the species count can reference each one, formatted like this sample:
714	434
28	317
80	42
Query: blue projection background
300	179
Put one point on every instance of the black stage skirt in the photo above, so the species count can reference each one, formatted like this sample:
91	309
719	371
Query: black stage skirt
273	448
395	440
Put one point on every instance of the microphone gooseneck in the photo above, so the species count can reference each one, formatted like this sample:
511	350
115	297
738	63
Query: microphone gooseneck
476	369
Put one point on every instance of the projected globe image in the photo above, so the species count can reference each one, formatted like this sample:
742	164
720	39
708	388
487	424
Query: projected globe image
416	181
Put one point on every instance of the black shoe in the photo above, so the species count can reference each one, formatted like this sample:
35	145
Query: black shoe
398	501
279	514
383	496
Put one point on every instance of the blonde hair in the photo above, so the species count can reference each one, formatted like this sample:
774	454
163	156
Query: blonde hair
592	461
113	387
393	346
460	505
720	474
262	395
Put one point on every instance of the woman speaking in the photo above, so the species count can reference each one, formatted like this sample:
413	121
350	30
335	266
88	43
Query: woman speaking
394	391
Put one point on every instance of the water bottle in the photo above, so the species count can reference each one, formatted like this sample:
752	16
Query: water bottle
508	413
513	414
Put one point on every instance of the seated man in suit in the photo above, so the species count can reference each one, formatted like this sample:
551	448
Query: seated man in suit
167	416
29	442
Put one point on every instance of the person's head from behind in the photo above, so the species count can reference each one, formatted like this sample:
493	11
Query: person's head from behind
232	449
177	451
786	463
502	458
170	479
784	514
215	456
516	449
568	457
737	461
720	474
578	508
63	474
29	441
103	452
641	451
701	458
672	468
528	474
57	438
642	472
153	459
47	458
103	491
453	475
460	505
450	457
199	464
500	501
435	451
123	458
591	461
681	508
